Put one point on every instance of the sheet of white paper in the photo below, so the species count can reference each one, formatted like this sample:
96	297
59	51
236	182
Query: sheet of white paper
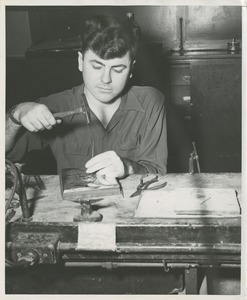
188	201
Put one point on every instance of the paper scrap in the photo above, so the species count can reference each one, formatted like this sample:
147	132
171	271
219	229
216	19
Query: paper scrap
96	236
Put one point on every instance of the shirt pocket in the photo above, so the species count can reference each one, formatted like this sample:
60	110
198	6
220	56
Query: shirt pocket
128	142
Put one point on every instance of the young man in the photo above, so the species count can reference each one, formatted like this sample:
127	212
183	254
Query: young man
121	130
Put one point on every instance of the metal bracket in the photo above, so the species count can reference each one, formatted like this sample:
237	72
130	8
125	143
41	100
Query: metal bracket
194	157
29	248
166	268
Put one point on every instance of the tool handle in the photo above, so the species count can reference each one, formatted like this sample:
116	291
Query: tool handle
145	185
60	115
160	186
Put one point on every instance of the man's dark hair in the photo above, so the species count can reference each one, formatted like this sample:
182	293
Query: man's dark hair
109	38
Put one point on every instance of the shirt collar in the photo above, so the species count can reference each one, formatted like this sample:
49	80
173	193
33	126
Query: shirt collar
131	102
129	99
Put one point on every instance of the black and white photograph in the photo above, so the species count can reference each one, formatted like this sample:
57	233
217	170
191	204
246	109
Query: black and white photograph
123	149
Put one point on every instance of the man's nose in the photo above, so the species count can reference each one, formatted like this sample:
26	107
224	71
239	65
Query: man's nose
106	76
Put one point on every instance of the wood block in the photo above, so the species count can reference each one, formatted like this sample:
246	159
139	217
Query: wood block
75	184
184	202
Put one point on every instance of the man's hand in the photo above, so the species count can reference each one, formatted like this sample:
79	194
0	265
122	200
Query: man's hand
34	116
108	166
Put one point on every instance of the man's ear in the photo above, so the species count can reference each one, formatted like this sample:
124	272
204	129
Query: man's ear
80	62
132	68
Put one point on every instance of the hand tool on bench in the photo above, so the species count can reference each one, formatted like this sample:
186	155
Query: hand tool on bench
144	185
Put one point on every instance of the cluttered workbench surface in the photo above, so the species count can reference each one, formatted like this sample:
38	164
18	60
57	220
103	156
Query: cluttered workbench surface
180	222
179	197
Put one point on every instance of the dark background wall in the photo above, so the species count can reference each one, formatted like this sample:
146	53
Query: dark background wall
204	26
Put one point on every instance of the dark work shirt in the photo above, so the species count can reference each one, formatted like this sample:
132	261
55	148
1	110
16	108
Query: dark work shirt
137	131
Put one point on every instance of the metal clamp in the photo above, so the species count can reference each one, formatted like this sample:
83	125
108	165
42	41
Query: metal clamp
194	157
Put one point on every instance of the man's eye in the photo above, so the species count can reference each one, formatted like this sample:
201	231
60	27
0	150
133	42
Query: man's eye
96	67
118	70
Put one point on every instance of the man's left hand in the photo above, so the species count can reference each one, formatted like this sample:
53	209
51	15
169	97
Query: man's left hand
107	165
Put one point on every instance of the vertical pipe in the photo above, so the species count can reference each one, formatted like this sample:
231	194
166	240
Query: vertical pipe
23	198
181	46
20	188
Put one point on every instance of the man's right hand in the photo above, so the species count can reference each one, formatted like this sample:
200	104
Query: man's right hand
34	116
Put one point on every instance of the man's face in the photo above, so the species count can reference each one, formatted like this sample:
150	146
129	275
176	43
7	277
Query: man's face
104	79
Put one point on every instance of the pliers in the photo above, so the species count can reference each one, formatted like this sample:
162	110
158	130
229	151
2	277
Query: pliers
144	185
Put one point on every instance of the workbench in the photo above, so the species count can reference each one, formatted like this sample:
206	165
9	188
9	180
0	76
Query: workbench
170	244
